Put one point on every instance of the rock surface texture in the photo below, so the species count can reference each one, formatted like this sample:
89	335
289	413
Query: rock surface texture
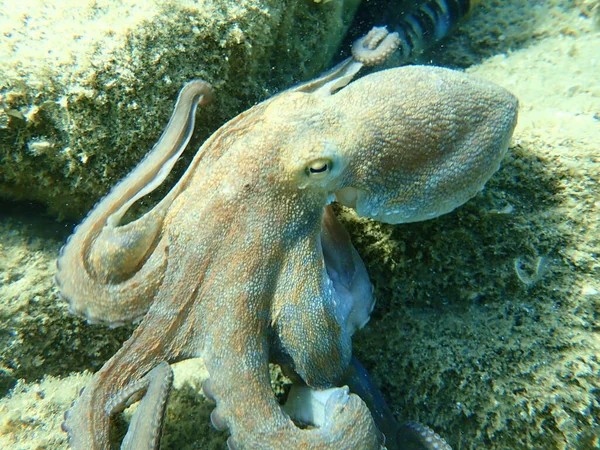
86	87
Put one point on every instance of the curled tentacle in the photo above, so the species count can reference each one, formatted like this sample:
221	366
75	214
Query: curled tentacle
414	32
375	47
109	273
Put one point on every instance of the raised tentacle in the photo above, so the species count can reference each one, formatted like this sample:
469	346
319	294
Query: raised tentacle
104	268
373	48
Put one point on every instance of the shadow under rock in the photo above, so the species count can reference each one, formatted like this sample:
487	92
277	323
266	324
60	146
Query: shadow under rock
451	313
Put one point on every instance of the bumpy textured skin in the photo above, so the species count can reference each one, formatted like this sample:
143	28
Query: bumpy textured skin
229	266
378	38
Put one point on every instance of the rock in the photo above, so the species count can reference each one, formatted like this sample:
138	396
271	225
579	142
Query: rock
86	89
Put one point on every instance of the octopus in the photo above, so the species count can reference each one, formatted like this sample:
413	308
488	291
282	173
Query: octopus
243	262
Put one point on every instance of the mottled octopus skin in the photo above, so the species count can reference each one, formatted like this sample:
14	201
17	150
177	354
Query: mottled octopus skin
229	265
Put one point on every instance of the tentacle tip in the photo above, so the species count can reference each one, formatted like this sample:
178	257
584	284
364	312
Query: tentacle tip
428	438
376	46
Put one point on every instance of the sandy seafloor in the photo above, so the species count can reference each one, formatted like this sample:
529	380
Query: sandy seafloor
487	326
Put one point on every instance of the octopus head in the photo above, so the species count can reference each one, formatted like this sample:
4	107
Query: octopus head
406	144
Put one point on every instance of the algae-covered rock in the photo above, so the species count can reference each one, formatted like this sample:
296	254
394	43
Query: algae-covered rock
87	87
486	324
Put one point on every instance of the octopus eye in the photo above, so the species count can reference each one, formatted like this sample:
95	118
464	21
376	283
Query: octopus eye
319	167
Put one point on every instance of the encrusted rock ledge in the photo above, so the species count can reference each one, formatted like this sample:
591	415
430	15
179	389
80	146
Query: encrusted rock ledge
86	88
